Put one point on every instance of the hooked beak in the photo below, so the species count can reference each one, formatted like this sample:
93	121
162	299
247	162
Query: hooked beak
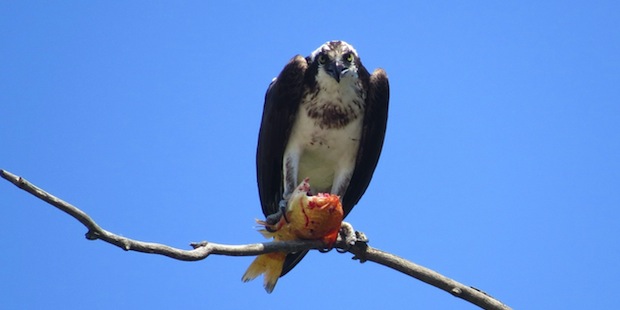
334	69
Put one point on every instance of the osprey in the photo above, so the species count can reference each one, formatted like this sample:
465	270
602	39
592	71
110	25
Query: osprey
324	118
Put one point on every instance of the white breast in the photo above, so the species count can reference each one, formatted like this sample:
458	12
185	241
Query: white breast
326	155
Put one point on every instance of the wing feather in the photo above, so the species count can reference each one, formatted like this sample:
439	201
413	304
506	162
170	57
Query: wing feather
282	101
373	134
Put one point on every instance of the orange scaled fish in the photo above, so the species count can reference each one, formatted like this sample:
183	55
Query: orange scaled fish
307	218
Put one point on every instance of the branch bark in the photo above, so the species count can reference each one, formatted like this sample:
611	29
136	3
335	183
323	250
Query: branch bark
202	250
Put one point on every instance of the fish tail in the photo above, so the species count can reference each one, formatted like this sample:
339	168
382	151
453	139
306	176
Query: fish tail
268	264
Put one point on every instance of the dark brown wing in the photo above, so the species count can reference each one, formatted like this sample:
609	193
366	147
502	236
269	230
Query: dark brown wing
373	133
282	101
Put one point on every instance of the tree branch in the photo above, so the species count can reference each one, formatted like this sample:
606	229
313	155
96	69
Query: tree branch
202	250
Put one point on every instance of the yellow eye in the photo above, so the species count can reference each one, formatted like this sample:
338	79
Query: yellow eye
348	57
322	59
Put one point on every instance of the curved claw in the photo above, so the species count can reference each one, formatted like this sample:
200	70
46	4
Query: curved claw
275	218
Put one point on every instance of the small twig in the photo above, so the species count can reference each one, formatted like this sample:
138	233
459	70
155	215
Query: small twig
356	245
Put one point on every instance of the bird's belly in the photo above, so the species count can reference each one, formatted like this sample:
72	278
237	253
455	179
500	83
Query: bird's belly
318	169
325	153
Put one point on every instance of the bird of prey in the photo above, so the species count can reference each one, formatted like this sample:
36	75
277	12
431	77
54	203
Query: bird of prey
324	118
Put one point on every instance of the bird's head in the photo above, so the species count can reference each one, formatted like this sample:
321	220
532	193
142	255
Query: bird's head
336	59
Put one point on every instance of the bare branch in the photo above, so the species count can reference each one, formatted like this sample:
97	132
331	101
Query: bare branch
351	241
201	249
428	276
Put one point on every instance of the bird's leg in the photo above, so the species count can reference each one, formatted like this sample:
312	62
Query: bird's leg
290	177
342	178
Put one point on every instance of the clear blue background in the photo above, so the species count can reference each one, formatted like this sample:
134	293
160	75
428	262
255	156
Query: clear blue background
500	167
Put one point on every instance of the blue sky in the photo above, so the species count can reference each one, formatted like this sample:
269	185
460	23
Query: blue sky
501	166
